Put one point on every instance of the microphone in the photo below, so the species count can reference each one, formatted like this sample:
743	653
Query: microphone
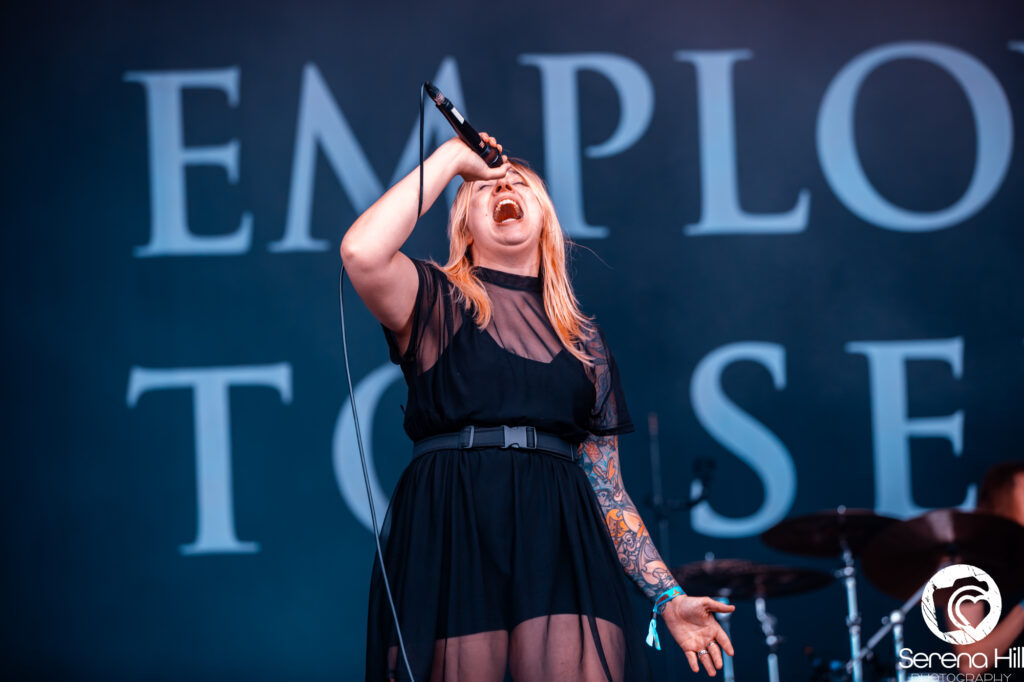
489	154
703	469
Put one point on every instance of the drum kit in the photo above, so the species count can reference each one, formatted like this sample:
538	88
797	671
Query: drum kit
897	557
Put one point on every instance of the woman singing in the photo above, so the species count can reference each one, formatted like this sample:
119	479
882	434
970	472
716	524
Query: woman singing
509	535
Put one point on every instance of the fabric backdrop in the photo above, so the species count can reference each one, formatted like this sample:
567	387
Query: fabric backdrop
798	224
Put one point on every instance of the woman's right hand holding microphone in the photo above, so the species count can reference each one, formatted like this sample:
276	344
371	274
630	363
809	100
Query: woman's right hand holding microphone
469	165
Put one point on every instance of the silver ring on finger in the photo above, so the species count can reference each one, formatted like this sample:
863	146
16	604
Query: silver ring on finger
701	652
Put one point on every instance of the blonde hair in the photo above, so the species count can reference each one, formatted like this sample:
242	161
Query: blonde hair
560	302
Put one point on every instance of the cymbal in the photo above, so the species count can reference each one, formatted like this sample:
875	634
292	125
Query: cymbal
903	557
739	579
822	534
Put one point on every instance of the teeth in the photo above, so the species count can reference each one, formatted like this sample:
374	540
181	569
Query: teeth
507	210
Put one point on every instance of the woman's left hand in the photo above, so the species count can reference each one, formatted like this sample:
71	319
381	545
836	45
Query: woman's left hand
692	622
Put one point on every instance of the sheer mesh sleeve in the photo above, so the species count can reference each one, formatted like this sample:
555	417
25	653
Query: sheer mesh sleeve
433	323
609	415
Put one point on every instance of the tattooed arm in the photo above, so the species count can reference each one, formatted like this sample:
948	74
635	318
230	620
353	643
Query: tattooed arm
637	554
690	619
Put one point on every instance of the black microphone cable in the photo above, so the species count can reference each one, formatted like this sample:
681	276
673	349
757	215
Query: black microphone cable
355	418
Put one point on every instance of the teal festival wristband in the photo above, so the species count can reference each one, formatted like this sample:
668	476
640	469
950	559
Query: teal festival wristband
667	596
663	598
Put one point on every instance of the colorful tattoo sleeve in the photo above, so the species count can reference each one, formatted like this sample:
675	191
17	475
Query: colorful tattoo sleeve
637	554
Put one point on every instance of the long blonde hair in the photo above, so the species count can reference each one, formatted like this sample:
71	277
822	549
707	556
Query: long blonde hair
560	302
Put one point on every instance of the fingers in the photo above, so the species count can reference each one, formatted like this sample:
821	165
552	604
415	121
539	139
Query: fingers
717	606
715	652
489	139
722	640
711	660
500	171
709	665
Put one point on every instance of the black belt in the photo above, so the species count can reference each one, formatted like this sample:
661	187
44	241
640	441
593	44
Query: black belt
526	437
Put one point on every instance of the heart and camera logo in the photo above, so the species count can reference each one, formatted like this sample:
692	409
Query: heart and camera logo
954	588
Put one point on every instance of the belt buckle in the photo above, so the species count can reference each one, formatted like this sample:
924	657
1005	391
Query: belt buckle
468	432
519	436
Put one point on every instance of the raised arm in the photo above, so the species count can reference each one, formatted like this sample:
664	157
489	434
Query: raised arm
383	276
690	619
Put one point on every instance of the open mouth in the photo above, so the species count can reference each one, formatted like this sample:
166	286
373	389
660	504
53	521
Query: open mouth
506	211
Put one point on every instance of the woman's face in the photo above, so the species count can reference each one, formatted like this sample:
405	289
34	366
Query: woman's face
504	217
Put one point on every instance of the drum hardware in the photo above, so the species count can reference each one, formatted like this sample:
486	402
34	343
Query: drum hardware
840	532
771	640
899	558
731	580
724	619
904	557
849	576
894	621
665	508
909	553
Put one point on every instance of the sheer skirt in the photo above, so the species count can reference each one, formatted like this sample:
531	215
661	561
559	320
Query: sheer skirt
501	569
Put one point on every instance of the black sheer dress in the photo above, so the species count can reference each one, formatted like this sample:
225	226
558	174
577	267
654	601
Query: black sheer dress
500	563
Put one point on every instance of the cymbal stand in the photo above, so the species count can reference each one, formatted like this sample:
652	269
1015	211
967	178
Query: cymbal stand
728	673
894	621
664	508
768	621
897	618
848	574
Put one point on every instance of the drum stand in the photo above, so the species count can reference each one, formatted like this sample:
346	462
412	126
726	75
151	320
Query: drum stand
848	574
894	621
768	621
664	508
723	620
